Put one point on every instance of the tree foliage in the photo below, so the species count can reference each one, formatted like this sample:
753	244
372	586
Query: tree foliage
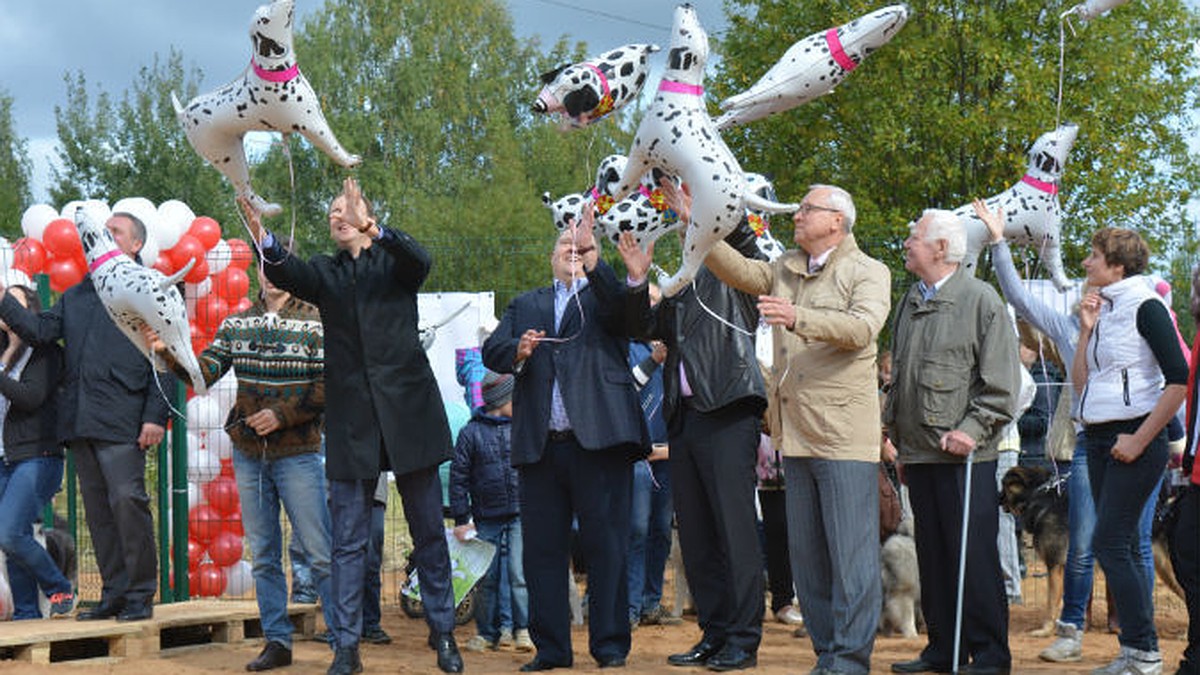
137	147
14	171
947	110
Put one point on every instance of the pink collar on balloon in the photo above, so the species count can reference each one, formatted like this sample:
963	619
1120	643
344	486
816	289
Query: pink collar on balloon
606	103
680	88
103	259
835	49
276	75
1048	188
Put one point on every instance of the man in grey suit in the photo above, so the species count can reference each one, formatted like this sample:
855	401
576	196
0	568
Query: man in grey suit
577	428
111	411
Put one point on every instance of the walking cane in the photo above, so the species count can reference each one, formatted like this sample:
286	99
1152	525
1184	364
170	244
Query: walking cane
962	562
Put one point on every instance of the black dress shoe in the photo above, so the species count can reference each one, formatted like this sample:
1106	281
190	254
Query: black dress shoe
449	660
345	661
917	665
274	655
136	611
612	662
698	655
538	665
732	657
101	611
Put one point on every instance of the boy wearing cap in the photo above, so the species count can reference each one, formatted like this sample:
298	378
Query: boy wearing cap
484	485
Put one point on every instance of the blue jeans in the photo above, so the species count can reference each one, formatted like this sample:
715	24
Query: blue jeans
299	483
373	584
505	535
1121	492
649	535
1081	518
25	489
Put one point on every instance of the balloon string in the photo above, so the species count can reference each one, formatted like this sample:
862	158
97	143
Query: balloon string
1063	23
287	152
162	392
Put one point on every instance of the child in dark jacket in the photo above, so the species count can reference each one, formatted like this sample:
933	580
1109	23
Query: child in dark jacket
484	488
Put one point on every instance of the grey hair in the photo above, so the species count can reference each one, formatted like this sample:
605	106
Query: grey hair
139	228
945	225
842	201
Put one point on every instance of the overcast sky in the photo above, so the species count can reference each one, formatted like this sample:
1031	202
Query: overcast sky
109	40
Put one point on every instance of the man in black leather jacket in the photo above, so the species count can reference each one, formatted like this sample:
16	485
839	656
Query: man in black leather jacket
714	399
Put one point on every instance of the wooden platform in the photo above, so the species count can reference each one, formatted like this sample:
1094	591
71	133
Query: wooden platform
176	625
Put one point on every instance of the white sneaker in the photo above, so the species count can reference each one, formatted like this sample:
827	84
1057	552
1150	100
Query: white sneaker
479	644
524	643
1133	662
1067	648
790	616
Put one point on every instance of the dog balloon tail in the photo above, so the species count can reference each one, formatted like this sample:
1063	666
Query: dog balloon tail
175	278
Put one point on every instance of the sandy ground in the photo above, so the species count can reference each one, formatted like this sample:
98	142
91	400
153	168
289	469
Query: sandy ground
780	652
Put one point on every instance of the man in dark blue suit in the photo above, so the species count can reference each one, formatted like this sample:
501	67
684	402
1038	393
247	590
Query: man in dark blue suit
577	428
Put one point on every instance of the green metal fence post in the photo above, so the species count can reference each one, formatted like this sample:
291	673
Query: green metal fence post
179	495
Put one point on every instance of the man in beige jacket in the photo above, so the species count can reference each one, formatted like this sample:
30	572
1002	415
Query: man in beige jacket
827	302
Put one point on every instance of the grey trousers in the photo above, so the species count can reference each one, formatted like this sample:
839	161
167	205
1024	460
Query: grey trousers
833	538
112	478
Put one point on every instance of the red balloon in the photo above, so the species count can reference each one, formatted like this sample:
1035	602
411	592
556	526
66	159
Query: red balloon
164	264
211	310
64	273
61	239
204	523
195	554
227	471
206	230
240	254
198	273
187	248
29	255
233	522
242	305
231	284
222	495
226	549
199	340
210	580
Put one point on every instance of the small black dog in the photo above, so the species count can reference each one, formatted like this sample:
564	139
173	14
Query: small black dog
1038	499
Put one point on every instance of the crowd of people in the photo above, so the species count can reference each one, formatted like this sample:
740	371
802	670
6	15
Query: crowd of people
605	416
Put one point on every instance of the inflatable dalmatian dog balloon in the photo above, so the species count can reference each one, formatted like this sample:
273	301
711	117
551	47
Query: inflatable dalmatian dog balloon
814	66
677	137
1032	215
271	95
1093	8
588	91
136	296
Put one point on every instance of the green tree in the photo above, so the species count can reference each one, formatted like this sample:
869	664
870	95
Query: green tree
14	171
136	148
947	110
435	96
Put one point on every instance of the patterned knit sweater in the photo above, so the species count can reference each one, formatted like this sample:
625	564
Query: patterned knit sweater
279	362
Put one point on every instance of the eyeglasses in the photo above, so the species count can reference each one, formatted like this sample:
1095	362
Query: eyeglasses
809	208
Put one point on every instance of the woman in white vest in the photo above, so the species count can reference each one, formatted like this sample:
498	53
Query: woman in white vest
1132	378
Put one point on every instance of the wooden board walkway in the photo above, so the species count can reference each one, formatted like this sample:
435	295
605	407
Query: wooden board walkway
176	625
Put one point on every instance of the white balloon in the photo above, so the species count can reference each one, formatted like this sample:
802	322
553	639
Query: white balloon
174	219
1094	8
220	443
195	493
36	218
203	465
218	257
68	209
239	578
203	414
149	252
96	209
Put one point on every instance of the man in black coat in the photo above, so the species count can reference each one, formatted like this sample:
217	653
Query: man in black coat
577	428
383	409
111	410
714	397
